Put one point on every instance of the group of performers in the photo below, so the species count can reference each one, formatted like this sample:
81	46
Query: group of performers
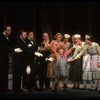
52	62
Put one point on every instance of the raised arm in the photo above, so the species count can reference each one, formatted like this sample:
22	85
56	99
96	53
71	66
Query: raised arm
55	52
68	51
82	52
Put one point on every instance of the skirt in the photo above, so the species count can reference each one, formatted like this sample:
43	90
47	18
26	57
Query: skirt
51	68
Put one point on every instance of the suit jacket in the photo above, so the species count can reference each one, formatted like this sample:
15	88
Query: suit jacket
31	45
45	53
4	47
24	56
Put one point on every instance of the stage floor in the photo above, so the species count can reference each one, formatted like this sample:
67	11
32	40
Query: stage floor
50	94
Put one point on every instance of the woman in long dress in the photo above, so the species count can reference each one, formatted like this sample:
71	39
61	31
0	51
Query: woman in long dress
77	67
67	46
51	65
93	51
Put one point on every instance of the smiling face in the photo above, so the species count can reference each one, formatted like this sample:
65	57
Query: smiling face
66	40
45	36
88	41
24	35
8	30
31	35
58	37
61	51
73	39
77	40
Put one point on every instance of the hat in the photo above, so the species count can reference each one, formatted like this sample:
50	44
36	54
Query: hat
77	36
87	37
66	36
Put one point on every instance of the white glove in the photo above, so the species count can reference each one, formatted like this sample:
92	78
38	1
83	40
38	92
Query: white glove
28	70
18	50
74	46
69	59
29	45
50	59
46	59
38	54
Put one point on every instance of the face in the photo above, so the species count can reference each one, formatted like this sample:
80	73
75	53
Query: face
24	35
45	36
61	51
77	40
58	37
73	39
8	30
31	35
65	39
87	41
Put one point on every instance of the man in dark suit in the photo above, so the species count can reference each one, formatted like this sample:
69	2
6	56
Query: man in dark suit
29	80
4	57
21	57
32	39
44	48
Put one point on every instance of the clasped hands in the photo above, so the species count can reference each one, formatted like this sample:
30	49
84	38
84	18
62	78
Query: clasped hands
70	59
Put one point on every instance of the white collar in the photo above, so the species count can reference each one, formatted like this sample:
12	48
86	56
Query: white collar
4	33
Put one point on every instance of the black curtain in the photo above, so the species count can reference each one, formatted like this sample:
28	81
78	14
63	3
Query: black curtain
53	17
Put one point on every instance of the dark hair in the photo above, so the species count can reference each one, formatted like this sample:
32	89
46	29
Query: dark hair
58	34
91	37
21	31
5	26
30	32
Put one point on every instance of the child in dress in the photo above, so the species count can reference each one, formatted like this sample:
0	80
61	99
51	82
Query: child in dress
60	70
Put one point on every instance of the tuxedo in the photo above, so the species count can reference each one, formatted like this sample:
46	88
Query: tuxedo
42	69
4	61
29	81
20	61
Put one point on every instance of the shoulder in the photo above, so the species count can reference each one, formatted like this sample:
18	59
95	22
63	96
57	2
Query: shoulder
69	43
2	35
95	44
52	41
83	43
40	43
19	41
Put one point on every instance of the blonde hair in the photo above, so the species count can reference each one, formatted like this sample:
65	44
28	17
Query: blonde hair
58	34
61	47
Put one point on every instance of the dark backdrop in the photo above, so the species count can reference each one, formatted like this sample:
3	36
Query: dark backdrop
71	17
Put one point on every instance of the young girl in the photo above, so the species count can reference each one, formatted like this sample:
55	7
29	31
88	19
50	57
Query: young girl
60	70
